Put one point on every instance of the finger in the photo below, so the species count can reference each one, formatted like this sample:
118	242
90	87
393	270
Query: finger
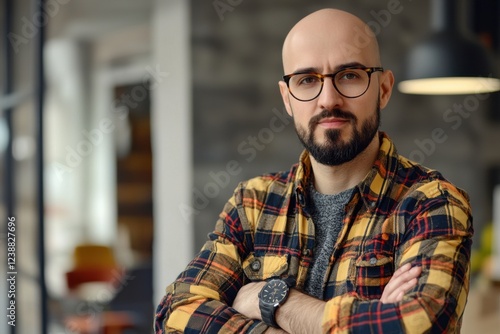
398	293
408	276
406	280
401	270
400	276
407	273
415	272
405	288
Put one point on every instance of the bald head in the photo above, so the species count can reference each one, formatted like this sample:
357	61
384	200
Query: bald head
329	38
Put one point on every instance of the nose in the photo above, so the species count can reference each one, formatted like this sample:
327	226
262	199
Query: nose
330	98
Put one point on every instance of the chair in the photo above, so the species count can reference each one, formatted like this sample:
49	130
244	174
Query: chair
95	278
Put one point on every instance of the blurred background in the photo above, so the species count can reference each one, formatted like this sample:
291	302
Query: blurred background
127	124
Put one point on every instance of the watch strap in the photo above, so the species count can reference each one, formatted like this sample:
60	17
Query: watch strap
290	281
267	312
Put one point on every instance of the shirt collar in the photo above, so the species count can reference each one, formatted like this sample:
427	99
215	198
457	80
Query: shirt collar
302	177
375	185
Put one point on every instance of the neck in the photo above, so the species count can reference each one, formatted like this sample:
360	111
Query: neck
331	180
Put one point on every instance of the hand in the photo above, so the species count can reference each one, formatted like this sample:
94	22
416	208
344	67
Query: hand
403	280
247	300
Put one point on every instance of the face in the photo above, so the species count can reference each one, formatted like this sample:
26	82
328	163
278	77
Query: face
333	128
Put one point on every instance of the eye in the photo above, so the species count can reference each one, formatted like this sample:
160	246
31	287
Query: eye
307	79
348	75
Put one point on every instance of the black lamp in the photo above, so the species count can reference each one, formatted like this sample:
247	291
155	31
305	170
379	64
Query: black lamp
448	61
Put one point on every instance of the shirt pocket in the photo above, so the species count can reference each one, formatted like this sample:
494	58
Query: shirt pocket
373	270
262	267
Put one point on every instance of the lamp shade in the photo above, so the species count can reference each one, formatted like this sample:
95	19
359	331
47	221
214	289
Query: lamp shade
448	62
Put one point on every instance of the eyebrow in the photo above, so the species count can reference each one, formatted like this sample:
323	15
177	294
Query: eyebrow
337	68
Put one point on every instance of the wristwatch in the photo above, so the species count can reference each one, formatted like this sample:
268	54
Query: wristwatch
272	296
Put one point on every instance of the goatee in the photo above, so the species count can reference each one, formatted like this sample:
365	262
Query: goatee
335	151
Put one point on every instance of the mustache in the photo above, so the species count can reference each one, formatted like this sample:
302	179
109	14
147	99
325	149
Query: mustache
337	113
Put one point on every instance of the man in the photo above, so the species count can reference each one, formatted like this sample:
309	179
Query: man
356	237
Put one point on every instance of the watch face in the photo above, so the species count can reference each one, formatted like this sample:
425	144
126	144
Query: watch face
274	292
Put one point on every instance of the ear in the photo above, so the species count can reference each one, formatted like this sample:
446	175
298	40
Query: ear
386	84
285	95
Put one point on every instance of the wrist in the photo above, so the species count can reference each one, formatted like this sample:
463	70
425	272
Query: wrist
301	313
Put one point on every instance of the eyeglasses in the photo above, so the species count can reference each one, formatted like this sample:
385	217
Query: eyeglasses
350	82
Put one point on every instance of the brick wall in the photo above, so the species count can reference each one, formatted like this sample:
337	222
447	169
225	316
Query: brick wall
236	60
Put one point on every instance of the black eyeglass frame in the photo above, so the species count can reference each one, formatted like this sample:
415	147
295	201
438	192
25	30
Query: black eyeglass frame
369	70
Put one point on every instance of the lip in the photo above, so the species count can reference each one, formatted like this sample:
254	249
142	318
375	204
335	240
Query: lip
333	122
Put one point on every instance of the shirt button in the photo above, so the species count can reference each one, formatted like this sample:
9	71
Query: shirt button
373	260
306	252
255	265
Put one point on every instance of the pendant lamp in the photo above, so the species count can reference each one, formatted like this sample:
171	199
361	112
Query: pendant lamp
448	61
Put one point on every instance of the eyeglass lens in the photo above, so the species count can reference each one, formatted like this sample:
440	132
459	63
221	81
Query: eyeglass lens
348	82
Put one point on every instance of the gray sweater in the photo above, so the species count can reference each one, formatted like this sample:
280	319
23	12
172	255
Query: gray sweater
327	212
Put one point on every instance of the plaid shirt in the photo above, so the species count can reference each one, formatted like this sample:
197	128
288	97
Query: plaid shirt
401	212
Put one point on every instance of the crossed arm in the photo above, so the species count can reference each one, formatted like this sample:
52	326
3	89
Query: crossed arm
303	314
211	294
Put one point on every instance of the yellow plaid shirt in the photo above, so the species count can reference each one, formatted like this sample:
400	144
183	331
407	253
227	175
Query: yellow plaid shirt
401	212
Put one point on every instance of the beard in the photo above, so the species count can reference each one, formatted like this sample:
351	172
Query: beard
335	151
